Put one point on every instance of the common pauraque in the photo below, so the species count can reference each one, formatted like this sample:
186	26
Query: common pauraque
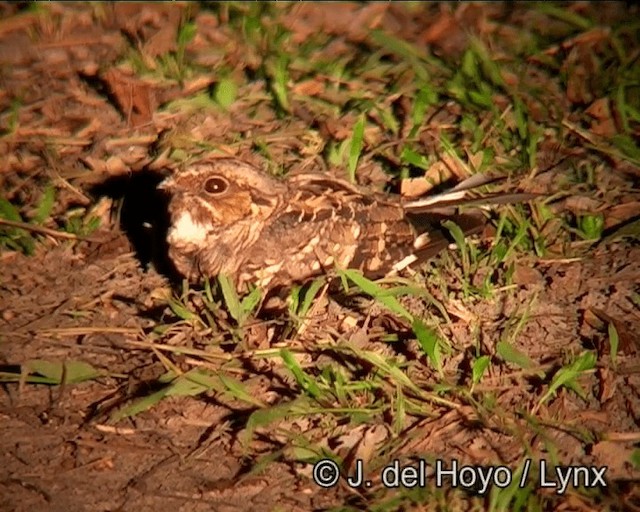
229	217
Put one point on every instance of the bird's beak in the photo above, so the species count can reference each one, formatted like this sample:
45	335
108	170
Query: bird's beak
167	185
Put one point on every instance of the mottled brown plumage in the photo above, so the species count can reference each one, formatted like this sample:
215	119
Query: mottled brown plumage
229	217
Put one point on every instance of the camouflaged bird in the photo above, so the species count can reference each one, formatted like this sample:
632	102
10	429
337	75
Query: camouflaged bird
229	217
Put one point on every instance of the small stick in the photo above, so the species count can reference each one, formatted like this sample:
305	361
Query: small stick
44	231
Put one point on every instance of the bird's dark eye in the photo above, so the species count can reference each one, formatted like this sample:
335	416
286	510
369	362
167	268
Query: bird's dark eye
216	186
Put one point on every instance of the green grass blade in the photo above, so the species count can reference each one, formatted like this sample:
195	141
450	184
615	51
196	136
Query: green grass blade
181	311
192	383
309	294
395	373
479	368
567	375
9	211
461	242
429	342
250	302
225	93
269	415
239	391
67	372
356	147
511	354
138	406
45	206
231	299
614	342
376	292
304	381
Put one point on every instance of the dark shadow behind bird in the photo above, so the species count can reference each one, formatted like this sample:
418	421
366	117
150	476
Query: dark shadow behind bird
142	213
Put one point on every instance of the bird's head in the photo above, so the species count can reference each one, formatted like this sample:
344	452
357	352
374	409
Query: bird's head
211	194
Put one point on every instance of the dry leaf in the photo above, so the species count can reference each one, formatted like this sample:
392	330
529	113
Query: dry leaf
627	341
312	87
616	456
438	173
621	213
603	123
135	98
526	276
607	384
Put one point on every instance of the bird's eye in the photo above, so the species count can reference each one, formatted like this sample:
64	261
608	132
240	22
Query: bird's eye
216	186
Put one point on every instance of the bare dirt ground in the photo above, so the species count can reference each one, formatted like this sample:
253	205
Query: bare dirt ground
95	98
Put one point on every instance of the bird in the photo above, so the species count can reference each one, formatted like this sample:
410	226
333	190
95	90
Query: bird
228	217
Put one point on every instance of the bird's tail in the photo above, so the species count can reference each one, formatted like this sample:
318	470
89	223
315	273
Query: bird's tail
428	213
464	194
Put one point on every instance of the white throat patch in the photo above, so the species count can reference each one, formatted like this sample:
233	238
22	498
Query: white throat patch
188	230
